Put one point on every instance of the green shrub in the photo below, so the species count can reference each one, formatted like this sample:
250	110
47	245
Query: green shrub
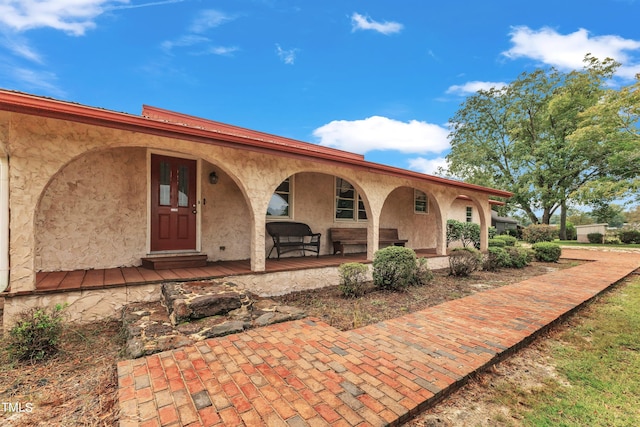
572	233
466	232
36	334
492	232
394	267
464	261
547	251
422	274
519	257
495	258
595	237
629	236
352	279
539	233
497	243
612	240
508	240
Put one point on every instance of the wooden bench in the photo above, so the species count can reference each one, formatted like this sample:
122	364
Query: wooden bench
291	236
358	236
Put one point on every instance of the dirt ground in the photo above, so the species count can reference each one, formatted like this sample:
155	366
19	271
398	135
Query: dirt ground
79	385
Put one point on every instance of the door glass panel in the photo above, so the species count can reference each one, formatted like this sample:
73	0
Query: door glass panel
183	186
165	184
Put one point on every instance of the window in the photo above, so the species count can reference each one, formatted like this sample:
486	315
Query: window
346	196
420	202
469	214
281	200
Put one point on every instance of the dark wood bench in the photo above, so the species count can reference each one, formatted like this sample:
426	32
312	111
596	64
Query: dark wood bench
291	236
340	237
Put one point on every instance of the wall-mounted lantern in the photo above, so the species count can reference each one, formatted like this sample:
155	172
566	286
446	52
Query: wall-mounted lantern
213	178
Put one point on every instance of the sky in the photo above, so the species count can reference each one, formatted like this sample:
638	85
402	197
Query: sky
379	78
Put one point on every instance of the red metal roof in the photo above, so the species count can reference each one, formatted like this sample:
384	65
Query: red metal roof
169	124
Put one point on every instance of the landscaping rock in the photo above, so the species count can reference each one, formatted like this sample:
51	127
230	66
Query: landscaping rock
191	312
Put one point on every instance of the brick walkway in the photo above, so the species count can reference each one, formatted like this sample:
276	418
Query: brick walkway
306	373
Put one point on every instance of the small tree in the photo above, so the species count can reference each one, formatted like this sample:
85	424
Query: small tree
466	232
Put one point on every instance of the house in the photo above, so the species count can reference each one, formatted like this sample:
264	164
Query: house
503	224
87	191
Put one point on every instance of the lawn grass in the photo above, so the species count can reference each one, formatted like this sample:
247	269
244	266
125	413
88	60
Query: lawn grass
599	360
598	245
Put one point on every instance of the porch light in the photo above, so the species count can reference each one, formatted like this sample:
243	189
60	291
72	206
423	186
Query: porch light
213	178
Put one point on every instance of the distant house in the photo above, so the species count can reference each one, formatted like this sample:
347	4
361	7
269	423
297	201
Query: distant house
503	224
87	190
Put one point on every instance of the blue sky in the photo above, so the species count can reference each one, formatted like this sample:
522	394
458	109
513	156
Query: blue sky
380	78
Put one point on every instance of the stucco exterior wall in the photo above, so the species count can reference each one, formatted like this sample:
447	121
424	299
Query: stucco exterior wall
458	211
57	166
93	213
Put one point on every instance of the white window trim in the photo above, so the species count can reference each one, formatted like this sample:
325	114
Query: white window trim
469	209
291	201
356	208
415	199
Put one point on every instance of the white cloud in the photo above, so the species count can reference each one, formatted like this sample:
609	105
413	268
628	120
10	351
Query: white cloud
567	51
184	41
382	133
209	19
430	166
71	16
32	80
20	46
473	87
288	56
220	50
360	22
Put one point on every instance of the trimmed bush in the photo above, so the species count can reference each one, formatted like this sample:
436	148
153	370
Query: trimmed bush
394	267
539	233
508	240
492	232
352	279
495	258
595	237
572	233
36	334
547	251
464	261
422	274
612	240
497	243
519	257
629	236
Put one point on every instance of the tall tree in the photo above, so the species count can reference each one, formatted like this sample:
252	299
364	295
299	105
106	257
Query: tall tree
518	138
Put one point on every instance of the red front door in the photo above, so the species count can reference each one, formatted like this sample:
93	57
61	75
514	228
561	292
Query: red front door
173	203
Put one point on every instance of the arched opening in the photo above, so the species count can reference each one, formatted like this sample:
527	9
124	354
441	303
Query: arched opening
416	215
467	209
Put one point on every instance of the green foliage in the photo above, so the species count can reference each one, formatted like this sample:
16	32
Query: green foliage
539	233
528	138
595	237
629	236
519	257
352	279
572	233
464	261
36	333
495	258
547	251
422	273
492	232
394	267
497	243
612	240
466	232
507	239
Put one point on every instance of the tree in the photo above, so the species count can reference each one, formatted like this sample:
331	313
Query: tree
518	138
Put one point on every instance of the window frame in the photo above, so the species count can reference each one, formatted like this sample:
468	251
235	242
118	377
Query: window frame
469	213
290	193
357	200
416	194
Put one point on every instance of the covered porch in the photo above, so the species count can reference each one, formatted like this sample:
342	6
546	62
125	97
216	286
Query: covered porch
103	278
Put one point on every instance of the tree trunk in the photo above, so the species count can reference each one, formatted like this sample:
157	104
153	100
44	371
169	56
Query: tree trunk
563	220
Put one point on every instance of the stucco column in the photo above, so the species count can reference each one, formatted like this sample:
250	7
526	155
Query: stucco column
257	242
373	236
441	245
484	228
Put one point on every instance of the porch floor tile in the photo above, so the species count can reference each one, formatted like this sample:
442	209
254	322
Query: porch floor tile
308	373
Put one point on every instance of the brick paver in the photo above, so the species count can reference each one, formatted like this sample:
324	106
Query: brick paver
306	373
